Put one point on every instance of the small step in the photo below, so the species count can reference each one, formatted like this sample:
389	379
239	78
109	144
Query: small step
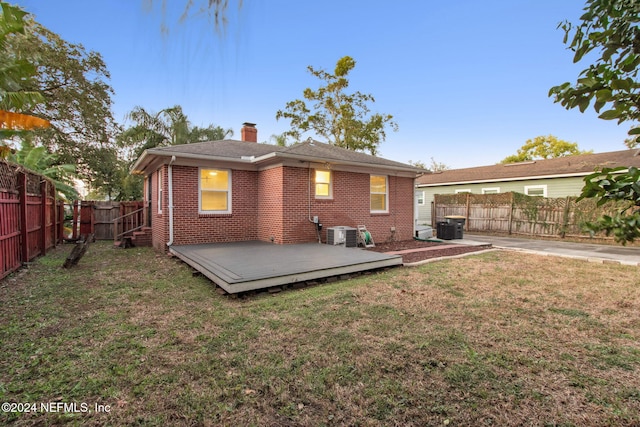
126	242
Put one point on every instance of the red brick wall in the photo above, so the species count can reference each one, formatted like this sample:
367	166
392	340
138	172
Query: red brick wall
262	210
349	206
270	225
191	227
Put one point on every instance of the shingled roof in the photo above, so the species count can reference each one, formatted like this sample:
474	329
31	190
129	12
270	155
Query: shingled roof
253	153
580	165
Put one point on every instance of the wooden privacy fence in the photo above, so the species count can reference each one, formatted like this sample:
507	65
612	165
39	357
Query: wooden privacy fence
31	220
516	213
99	218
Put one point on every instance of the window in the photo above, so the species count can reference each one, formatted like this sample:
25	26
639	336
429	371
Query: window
491	190
323	184
464	190
535	190
159	191
379	194
420	197
215	191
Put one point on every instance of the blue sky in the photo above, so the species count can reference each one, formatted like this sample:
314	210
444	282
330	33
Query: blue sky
465	80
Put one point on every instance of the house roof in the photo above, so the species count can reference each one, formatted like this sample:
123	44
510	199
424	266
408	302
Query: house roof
249	153
579	165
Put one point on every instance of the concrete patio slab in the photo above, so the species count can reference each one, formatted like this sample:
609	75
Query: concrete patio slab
587	251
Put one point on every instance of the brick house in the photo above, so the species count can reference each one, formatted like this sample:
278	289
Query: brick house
228	191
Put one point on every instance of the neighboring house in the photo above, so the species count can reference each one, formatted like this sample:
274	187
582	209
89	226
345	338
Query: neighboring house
559	177
226	191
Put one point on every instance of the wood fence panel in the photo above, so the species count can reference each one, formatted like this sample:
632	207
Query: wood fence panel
104	214
514	213
86	218
10	251
489	218
97	217
34	225
28	216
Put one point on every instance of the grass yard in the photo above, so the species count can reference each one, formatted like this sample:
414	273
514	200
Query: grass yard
493	339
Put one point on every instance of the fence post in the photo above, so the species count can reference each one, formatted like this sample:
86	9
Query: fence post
24	233
512	202
76	220
59	221
43	217
565	217
466	220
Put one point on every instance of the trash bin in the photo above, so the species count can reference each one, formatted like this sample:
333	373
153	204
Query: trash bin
445	230
458	223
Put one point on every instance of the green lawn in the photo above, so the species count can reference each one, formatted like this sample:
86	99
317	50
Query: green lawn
493	339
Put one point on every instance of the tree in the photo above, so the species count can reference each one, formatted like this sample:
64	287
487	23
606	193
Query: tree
345	120
632	141
16	69
544	147
210	133
112	179
169	126
38	159
434	166
280	140
609	30
77	97
611	185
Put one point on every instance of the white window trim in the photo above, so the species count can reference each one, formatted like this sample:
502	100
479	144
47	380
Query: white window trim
493	190
330	196
422	196
531	187
159	191
386	195
229	196
463	190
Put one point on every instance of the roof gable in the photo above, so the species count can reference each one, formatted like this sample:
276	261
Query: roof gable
579	165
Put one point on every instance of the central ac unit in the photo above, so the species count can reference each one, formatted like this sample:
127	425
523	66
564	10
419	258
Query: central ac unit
342	235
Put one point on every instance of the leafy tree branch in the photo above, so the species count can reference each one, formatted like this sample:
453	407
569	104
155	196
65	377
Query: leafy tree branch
343	119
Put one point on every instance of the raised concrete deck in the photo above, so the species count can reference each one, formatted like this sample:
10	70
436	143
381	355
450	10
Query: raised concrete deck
246	266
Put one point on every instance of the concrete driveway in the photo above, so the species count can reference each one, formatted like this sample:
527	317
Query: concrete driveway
587	251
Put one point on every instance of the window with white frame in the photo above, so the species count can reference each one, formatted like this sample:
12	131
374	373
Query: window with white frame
420	198
215	191
463	190
323	182
378	185
491	190
535	190
159	191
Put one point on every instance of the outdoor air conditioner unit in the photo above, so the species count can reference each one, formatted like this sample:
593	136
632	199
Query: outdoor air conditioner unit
341	235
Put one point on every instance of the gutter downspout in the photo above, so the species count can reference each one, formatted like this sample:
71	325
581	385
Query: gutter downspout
170	179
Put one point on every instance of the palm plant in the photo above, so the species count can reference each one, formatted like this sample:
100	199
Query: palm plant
39	160
170	126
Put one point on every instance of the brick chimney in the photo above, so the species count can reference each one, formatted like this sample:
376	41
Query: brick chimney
249	132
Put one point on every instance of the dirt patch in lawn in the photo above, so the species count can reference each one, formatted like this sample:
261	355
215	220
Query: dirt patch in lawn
418	250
